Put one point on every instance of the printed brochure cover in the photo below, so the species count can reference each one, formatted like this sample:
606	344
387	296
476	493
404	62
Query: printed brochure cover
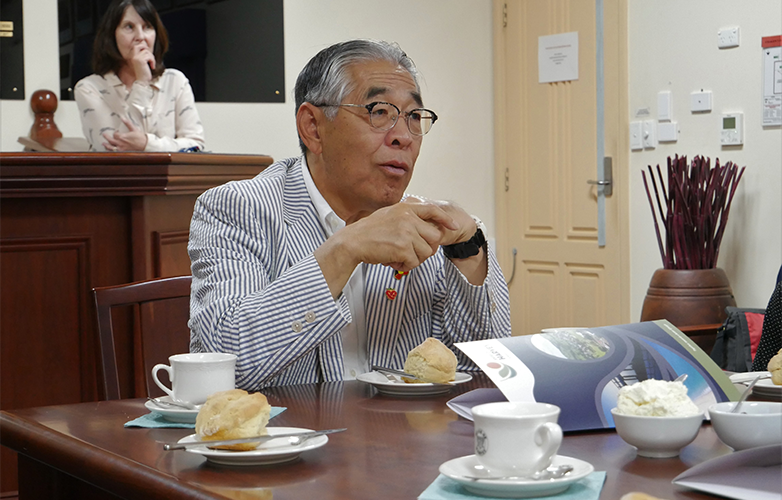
581	370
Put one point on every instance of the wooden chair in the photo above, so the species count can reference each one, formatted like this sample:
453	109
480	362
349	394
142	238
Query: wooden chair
160	309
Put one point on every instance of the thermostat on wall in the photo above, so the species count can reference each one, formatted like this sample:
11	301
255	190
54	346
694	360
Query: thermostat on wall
732	129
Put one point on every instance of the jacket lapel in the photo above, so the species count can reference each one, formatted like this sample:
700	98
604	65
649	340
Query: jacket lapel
303	232
303	235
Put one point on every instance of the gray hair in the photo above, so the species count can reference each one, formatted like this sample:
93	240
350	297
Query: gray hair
325	78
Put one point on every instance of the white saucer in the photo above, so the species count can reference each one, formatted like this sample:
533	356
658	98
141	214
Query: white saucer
172	414
393	385
274	451
458	468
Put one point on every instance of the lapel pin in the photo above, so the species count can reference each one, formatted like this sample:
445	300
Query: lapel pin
390	293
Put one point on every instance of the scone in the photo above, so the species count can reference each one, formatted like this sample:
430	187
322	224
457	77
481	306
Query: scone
775	367
233	414
431	361
635	495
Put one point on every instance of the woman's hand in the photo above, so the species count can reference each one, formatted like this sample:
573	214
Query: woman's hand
143	62
133	140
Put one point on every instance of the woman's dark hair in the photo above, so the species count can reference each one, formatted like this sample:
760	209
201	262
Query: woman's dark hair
105	54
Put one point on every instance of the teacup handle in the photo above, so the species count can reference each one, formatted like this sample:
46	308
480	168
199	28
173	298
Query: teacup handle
549	437
167	368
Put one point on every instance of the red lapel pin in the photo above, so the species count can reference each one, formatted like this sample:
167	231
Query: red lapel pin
390	293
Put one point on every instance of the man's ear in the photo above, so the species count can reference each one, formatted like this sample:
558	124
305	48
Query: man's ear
307	121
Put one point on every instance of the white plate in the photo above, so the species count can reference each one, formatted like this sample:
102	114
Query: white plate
746	377
393	385
764	387
274	451
458	468
179	415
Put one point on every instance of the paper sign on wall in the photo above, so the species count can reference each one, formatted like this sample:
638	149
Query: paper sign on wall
772	80
558	57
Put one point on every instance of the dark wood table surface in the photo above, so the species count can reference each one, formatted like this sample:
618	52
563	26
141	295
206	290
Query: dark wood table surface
392	449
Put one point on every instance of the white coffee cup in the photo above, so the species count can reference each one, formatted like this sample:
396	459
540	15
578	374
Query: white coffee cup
516	439
197	375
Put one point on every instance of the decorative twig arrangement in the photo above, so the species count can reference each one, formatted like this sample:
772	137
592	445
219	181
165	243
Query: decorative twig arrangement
697	203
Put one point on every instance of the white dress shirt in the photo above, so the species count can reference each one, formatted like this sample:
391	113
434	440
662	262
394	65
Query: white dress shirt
354	334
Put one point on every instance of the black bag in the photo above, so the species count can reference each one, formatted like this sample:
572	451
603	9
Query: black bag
732	348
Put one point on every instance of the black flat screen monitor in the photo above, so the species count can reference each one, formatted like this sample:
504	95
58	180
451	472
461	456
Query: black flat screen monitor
230	50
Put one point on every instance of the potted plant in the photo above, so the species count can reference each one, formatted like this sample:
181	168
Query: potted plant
692	206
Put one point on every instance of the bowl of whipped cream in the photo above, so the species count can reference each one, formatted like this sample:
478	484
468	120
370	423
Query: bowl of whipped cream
657	417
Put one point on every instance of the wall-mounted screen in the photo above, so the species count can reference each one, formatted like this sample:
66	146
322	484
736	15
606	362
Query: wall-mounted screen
230	50
11	50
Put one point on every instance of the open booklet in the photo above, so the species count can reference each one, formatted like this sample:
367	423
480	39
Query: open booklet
581	370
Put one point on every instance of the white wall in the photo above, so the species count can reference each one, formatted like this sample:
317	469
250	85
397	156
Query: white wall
673	46
449	40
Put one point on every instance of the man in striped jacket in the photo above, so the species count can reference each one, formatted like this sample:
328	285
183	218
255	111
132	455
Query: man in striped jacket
321	265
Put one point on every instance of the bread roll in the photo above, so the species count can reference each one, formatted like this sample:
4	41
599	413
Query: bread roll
775	367
431	361
636	495
233	414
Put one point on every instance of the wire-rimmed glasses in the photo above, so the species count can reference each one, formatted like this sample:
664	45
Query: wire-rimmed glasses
384	115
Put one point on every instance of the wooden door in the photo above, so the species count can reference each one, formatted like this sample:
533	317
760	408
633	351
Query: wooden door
545	152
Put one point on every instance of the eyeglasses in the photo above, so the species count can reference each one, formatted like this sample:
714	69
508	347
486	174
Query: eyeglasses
384	115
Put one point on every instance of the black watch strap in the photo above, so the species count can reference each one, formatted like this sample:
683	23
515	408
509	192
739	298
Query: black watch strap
467	248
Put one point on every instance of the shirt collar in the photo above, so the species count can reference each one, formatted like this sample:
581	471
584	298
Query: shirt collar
328	218
114	80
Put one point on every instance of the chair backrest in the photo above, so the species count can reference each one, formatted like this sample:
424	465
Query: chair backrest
737	340
160	311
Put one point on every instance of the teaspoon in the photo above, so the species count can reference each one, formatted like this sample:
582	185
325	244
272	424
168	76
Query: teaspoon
175	404
550	473
745	394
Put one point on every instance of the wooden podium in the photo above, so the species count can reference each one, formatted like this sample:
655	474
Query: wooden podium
73	221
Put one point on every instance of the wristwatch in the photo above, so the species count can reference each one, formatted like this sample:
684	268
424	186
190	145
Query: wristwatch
470	247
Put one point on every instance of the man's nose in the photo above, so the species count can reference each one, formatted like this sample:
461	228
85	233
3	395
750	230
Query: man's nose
400	134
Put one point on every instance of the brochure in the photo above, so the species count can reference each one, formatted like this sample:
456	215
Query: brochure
752	474
581	370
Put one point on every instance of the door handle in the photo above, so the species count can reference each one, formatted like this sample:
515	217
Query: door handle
608	177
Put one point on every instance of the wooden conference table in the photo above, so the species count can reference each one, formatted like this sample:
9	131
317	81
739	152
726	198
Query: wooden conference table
392	449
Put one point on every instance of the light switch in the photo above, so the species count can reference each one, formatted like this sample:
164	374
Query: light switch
636	142
648	134
700	101
664	112
667	132
728	37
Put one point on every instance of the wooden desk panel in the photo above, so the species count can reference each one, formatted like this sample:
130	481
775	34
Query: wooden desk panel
74	221
392	449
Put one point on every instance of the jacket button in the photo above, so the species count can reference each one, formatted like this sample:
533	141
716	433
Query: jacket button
297	326
309	317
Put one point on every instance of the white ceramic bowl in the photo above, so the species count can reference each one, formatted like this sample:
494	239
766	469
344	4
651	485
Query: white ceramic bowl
757	424
657	437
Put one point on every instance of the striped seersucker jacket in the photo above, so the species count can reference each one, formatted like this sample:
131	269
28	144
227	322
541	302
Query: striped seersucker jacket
258	291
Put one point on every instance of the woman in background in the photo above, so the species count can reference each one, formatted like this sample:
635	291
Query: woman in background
771	338
132	102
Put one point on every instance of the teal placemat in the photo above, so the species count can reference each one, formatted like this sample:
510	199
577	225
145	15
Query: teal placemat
155	420
444	488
